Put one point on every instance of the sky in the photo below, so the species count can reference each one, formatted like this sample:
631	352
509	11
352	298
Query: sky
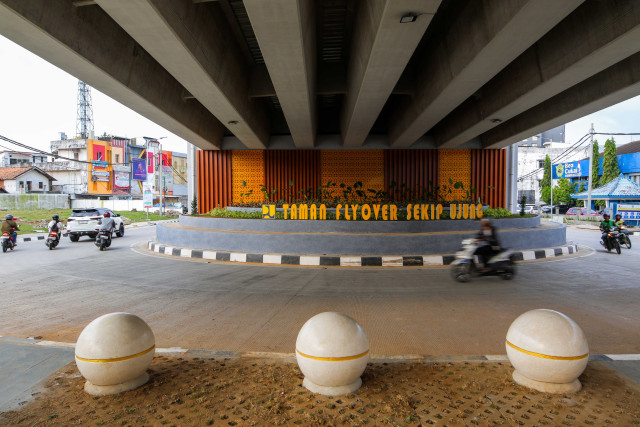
38	100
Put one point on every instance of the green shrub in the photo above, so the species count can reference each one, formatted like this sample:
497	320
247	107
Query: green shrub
498	213
225	213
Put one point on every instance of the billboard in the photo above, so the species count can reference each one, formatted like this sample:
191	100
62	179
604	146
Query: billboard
567	170
629	211
139	169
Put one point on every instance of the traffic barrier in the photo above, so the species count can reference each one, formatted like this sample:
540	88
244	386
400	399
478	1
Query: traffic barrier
548	351
113	353
332	352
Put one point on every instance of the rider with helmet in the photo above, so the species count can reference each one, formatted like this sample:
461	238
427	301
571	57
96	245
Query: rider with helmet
10	226
620	223
488	235
55	225
606	225
107	223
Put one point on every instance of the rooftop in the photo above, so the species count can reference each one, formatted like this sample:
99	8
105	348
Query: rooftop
620	187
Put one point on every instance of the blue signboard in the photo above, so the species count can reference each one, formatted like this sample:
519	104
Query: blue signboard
567	170
139	169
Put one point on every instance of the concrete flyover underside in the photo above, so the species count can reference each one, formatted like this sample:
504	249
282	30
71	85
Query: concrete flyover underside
405	238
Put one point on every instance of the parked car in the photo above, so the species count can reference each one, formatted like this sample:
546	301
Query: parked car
581	211
562	209
604	211
84	222
531	209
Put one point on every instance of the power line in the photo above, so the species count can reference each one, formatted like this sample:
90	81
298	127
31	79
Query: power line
573	147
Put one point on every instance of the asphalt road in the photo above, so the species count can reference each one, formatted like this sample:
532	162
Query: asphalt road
221	306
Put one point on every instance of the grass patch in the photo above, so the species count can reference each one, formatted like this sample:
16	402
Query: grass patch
34	220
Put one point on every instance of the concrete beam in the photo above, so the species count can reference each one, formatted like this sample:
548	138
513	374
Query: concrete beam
485	36
594	37
195	45
286	34
86	43
382	47
611	86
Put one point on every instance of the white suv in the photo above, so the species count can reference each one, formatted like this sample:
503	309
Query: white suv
84	222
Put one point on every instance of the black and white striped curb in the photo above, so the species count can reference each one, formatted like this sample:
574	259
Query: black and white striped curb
34	238
375	358
344	261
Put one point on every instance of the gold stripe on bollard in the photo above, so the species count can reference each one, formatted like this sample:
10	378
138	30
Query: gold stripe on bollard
333	359
116	359
544	356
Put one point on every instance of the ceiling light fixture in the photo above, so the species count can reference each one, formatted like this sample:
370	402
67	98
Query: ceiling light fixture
495	121
408	17
233	122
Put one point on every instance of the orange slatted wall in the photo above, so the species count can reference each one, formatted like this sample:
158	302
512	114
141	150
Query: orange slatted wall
282	167
414	168
488	169
214	179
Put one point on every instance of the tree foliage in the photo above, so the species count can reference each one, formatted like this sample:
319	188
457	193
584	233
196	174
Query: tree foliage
595	165
563	191
545	184
610	169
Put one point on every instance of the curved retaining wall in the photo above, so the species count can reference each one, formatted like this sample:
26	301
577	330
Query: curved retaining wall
350	238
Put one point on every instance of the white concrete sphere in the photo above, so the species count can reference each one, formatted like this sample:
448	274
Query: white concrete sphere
547	346
332	351
115	348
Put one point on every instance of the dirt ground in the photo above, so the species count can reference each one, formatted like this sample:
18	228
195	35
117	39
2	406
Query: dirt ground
189	390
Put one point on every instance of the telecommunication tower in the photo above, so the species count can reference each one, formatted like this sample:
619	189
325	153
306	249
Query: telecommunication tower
84	122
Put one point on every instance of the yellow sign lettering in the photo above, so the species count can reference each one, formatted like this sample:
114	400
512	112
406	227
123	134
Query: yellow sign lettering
303	212
376	211
366	212
286	210
424	212
294	212
338	211
393	213
384	212
354	210
409	212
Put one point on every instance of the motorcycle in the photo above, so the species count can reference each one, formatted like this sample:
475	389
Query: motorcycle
464	267
103	239
7	242
52	240
611	240
623	238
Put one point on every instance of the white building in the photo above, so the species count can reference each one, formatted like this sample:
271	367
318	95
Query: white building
20	158
531	166
71	176
25	180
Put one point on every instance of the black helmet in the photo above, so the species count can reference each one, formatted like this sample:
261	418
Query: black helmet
9	217
618	215
606	215
55	218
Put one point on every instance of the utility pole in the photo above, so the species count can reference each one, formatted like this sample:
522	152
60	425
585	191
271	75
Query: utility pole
591	160
161	180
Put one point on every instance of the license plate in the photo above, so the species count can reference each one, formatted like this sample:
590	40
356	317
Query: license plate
83	222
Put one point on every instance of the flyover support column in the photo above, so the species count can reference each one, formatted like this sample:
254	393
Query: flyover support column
511	199
192	175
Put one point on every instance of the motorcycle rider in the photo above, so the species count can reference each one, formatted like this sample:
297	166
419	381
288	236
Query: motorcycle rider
56	225
606	225
488	235
10	226
107	224
619	222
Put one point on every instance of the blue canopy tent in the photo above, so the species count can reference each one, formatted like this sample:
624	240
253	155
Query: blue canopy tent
621	196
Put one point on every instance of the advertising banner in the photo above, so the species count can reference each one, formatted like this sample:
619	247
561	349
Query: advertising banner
121	180
147	196
167	180
567	170
629	211
139	170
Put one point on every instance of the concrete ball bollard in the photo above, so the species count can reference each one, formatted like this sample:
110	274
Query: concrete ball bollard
548	351
113	353
332	352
